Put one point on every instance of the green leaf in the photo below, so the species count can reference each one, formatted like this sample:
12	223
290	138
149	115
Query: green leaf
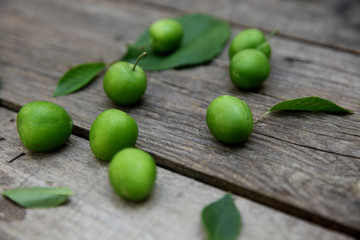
310	104
221	219
38	197
204	38
315	104
77	77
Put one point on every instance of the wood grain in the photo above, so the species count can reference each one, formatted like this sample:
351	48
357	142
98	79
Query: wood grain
306	164
95	212
334	23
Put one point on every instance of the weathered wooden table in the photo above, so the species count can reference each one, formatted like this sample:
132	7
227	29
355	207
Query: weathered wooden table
297	177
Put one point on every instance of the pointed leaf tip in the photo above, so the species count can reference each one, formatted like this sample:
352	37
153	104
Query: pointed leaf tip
221	219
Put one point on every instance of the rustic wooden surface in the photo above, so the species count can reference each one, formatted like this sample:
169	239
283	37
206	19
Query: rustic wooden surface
306	164
96	212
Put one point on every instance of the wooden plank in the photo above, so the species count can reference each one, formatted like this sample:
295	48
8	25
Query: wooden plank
289	159
334	23
95	212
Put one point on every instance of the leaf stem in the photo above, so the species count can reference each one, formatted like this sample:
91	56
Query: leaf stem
144	54
273	33
261	117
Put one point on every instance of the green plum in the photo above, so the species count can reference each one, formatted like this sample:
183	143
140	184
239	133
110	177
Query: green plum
249	68
166	35
112	131
132	174
125	83
43	126
250	39
229	119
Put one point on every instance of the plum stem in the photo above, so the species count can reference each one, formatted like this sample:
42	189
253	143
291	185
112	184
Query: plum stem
144	54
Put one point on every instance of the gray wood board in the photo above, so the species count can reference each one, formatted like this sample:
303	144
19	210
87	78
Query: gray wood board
335	23
96	212
306	164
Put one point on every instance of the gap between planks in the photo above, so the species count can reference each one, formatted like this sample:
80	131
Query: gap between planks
223	185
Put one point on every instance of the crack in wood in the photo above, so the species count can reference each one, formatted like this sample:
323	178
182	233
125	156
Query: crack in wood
9	105
13	159
292	59
2	139
305	146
